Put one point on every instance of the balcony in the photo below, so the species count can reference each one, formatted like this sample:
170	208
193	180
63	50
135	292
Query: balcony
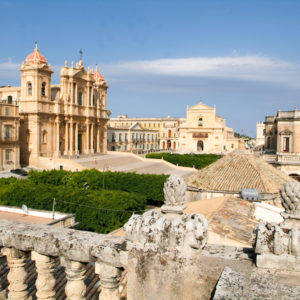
8	139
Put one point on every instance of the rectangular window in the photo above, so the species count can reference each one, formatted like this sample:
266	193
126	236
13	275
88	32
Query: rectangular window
6	111
120	137
7	155
7	133
80	99
286	144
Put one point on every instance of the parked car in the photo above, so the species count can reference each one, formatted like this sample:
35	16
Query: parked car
20	172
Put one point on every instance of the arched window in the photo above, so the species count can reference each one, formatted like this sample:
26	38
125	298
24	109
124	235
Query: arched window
200	122
44	89
169	134
29	88
164	144
200	146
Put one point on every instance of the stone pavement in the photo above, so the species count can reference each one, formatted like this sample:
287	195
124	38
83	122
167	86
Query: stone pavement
130	163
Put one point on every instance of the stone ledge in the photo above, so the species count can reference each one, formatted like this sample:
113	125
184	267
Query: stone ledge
279	262
73	244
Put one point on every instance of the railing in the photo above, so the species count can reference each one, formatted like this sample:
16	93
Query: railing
8	139
75	249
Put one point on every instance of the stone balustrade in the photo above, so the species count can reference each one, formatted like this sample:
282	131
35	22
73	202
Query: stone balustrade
75	250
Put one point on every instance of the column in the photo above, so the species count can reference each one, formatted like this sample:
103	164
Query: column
72	92
92	149
76	138
104	139
71	138
75	273
76	93
87	141
98	138
45	282
17	275
66	139
57	139
92	95
109	281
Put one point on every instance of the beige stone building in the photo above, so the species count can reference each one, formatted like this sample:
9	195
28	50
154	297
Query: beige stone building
204	131
282	141
9	131
64	119
133	138
168	128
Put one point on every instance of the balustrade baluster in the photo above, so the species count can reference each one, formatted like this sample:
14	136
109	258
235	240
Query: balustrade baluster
109	281
75	271
45	283
16	260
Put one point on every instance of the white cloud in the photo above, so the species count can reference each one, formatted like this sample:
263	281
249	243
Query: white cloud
249	68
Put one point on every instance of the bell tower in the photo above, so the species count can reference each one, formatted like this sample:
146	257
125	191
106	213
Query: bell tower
35	82
35	101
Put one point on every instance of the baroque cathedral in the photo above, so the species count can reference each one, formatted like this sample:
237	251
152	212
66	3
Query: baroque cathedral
41	119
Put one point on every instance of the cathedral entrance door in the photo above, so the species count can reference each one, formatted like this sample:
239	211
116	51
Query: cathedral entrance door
79	143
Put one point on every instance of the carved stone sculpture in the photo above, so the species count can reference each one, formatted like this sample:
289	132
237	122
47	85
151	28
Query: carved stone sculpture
174	193
168	229
278	245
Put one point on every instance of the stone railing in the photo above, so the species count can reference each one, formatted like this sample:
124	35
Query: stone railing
289	114
168	234
278	245
288	158
75	249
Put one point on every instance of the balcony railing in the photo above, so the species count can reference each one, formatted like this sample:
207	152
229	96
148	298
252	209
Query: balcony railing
47	246
8	139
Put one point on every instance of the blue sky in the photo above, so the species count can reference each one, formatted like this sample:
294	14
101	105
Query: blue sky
160	56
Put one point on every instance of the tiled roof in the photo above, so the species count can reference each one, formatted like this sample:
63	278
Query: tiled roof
236	171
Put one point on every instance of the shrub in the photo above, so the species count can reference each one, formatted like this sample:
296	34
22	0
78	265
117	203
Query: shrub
99	211
148	185
198	161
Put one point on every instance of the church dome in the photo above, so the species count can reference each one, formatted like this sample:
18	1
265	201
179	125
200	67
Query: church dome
98	76
36	58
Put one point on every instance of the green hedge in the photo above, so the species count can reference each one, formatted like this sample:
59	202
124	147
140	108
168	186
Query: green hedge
148	185
198	161
96	210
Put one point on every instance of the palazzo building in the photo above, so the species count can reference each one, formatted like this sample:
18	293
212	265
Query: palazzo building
167	128
132	138
282	141
9	131
65	119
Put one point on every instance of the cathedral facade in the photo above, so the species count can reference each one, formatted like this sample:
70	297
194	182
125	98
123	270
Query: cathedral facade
55	120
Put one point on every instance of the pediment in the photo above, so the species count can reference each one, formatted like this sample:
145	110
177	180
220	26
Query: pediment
200	106
285	132
136	126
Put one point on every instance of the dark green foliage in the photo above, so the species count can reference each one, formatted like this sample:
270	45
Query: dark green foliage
148	185
96	210
199	161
